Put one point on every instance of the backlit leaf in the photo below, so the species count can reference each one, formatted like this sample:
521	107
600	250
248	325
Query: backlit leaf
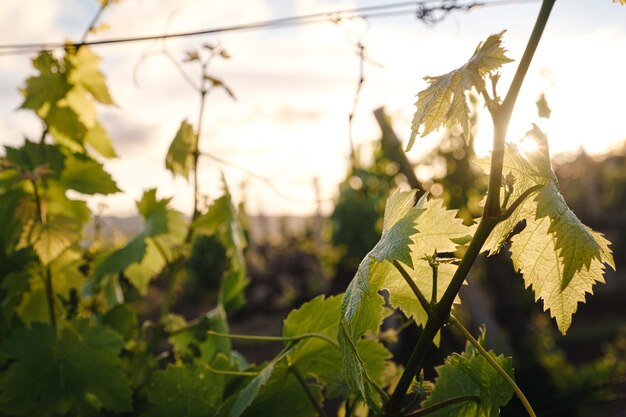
444	101
83	68
98	139
179	159
559	257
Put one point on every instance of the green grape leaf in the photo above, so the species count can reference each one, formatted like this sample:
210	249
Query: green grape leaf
318	358
179	159
190	391
82	67
559	257
87	176
282	395
444	101
427	227
470	374
99	139
52	373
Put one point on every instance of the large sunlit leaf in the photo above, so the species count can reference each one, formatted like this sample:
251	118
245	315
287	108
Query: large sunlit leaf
444	101
559	257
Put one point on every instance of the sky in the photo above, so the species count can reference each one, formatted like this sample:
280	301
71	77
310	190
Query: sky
295	87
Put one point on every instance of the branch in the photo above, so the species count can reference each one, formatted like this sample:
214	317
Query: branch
50	295
518	202
232	373
456	323
270	338
307	390
502	115
418	294
443	404
92	24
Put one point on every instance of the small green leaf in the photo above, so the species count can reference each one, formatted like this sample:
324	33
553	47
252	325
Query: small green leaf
180	159
444	101
543	109
87	176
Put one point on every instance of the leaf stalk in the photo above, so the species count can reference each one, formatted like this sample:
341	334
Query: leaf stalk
459	326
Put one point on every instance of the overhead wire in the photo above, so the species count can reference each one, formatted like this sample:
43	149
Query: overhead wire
367	12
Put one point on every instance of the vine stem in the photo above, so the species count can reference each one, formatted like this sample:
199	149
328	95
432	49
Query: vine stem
50	296
274	338
459	326
501	116
231	373
318	407
418	294
444	404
